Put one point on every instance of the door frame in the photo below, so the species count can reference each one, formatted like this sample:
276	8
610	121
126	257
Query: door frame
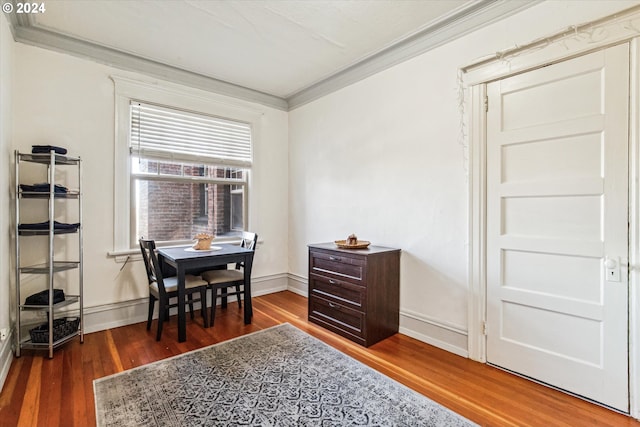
474	77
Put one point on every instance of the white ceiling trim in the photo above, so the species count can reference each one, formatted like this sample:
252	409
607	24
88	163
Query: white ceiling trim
465	20
32	35
456	25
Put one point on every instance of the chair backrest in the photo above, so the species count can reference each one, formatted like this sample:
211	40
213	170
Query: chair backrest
249	241
154	273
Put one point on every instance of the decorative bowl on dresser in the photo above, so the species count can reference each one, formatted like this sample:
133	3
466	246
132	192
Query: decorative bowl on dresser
355	292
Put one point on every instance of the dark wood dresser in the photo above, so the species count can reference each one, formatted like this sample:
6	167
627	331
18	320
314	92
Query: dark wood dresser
355	292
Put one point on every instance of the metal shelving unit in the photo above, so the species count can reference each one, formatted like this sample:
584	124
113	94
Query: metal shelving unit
73	302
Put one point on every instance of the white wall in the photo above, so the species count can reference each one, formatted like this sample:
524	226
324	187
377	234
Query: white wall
6	92
68	101
384	159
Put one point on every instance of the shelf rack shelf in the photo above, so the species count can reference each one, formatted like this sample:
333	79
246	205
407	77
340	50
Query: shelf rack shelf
73	301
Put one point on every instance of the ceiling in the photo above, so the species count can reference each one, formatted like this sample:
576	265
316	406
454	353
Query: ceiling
276	52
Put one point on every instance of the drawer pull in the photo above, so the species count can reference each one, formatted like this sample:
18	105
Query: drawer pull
332	305
334	258
332	282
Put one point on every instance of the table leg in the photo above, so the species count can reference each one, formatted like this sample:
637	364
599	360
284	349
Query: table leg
248	307
182	315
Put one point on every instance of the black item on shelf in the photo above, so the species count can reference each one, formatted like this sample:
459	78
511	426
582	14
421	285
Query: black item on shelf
42	298
43	188
38	149
61	328
45	226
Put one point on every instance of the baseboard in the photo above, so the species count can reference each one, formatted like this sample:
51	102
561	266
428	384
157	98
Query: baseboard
108	316
439	334
298	285
448	337
6	357
269	284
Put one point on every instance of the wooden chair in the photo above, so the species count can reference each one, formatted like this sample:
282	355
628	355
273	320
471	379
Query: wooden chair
224	279
163	289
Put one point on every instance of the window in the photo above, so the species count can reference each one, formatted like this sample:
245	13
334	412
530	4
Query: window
198	144
188	173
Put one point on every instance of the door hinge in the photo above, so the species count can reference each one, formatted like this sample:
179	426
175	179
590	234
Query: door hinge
484	328
486	104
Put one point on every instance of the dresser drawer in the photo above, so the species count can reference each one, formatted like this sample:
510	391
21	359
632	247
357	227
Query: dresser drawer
338	291
338	265
339	318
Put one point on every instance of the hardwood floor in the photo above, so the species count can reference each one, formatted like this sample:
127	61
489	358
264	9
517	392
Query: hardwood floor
59	391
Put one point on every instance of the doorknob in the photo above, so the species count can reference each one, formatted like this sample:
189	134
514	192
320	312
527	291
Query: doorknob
612	269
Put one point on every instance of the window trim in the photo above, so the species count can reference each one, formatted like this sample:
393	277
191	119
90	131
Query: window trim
174	96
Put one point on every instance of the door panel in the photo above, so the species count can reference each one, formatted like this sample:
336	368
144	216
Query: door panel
528	327
572	277
557	179
575	218
554	159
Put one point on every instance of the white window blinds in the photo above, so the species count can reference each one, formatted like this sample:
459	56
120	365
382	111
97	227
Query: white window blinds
160	132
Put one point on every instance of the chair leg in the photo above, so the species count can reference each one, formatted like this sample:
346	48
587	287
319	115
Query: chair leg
190	299
214	298
223	296
203	306
161	318
239	296
152	303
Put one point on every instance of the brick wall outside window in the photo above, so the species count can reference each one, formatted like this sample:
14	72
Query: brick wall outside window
173	210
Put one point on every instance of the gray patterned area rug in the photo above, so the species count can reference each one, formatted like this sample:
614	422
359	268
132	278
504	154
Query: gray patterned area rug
279	376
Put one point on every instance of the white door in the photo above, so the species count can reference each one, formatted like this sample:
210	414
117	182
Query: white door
557	178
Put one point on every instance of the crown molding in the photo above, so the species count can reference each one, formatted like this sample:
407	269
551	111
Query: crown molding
466	19
25	32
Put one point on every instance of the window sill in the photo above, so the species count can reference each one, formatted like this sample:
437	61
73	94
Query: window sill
134	254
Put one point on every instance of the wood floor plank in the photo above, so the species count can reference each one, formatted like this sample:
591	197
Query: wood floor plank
29	410
13	391
59	392
50	402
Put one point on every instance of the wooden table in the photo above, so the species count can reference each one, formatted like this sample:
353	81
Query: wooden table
184	262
